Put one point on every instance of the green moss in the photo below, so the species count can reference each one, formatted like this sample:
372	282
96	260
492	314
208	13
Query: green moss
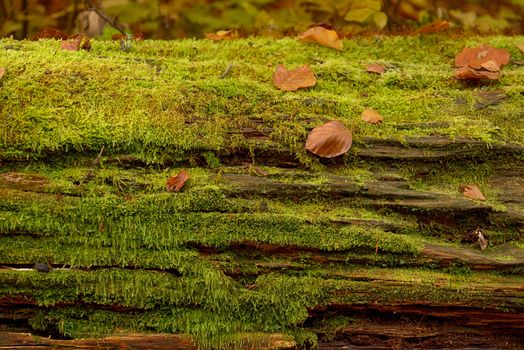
146	98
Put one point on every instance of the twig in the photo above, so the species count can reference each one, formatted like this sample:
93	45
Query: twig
89	174
226	72
91	7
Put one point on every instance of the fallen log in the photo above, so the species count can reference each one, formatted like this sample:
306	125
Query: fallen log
266	245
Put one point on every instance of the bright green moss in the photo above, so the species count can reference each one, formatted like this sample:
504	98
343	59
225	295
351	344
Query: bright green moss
53	100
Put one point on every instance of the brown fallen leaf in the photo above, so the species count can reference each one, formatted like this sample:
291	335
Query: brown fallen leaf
175	183
468	73
49	33
475	57
477	237
222	35
521	47
291	80
371	116
472	192
2	72
375	68
79	42
329	140
438	25
322	36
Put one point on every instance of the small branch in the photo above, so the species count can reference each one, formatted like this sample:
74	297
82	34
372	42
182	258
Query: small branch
89	174
226	72
112	22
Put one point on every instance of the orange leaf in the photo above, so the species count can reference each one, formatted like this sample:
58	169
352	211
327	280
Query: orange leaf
375	68
371	116
472	192
472	74
80	42
49	33
222	34
2	72
322	36
175	183
329	140
475	57
436	26
291	80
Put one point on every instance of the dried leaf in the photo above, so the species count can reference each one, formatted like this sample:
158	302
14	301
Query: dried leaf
371	116
2	72
49	33
222	35
375	68
329	140
175	183
468	73
521	47
491	66
478	237
482	242
79	42
472	192
291	80
475	57
438	25
322	36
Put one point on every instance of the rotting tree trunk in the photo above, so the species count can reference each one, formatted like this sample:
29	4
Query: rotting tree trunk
266	246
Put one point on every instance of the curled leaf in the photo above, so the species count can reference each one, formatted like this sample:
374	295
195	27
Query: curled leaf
49	33
222	35
472	192
375	68
468	73
291	80
478	237
475	57
371	116
175	183
329	140
322	36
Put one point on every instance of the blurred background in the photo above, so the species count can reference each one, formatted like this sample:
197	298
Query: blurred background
169	19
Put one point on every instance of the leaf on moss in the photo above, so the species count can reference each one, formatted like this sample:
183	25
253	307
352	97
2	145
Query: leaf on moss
175	183
322	36
438	25
375	68
371	116
329	140
2	72
468	73
222	35
79	42
482	62
291	80
472	192
49	33
521	47
475	57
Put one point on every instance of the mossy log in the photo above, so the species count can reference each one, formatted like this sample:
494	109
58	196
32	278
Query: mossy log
266	246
